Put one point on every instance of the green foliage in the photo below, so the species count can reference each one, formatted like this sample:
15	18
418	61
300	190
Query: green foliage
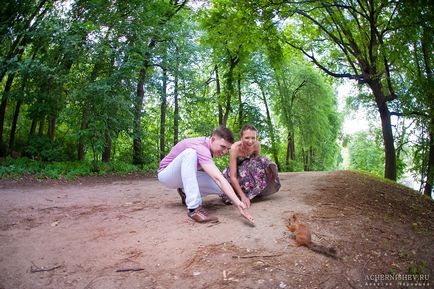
10	168
307	109
41	148
76	69
294	166
22	166
366	154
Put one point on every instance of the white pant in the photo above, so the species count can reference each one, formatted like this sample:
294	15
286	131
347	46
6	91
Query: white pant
182	173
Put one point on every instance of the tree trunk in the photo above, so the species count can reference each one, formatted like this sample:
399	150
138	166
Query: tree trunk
311	157
305	160
80	145
14	125
176	110
386	125
138	157
229	88
137	127
290	149
163	115
218	92
240	108
270	128
107	148
41	126
430	171
3	105
51	128
33	128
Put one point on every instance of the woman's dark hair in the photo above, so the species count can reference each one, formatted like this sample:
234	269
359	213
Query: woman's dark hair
224	133
247	127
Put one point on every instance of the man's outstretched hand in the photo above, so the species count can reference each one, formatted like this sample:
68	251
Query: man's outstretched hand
243	210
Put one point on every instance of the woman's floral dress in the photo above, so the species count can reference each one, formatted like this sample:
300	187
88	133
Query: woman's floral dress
252	176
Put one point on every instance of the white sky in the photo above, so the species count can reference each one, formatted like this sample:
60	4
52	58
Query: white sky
357	121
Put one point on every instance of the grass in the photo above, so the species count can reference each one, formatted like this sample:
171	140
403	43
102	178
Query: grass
14	169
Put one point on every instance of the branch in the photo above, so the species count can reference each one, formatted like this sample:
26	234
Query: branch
390	97
389	81
323	68
411	113
340	28
355	49
178	7
294	93
386	28
346	48
335	39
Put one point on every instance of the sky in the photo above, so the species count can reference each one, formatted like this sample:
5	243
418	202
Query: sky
357	121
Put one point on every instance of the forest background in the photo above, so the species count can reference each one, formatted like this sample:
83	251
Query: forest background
96	87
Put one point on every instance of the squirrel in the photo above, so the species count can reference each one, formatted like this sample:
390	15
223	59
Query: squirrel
303	238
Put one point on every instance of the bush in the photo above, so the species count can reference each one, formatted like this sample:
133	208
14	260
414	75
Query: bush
10	168
116	168
293	166
22	166
41	148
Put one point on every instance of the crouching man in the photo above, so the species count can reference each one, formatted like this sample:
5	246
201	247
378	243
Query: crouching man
189	167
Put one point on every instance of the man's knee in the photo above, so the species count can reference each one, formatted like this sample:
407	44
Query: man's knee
190	153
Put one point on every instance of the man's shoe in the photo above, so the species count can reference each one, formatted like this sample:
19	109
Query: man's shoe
226	200
182	195
270	189
273	181
271	173
200	215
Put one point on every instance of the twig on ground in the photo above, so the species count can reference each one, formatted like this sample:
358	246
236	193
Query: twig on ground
37	269
129	270
272	266
213	224
349	281
322	282
256	256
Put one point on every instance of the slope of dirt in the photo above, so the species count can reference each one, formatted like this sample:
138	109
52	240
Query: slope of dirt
80	234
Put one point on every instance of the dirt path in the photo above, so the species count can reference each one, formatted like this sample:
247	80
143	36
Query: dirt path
82	233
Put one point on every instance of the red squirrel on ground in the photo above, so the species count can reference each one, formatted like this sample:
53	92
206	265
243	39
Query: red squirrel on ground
303	238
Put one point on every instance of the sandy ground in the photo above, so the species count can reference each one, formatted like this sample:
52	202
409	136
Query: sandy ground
81	234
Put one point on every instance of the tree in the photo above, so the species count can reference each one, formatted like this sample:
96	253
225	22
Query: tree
232	34
350	39
104	80
260	74
416	83
366	153
162	12
313	120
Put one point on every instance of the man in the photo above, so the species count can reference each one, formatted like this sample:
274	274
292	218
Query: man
189	166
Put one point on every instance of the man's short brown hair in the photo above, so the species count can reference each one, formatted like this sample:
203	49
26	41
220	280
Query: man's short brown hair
224	133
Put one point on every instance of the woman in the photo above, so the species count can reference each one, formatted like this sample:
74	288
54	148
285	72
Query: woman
249	173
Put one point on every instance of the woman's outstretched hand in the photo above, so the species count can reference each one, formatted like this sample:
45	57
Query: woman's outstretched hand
243	210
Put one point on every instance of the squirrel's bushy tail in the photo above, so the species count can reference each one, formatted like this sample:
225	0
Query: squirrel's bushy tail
326	251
